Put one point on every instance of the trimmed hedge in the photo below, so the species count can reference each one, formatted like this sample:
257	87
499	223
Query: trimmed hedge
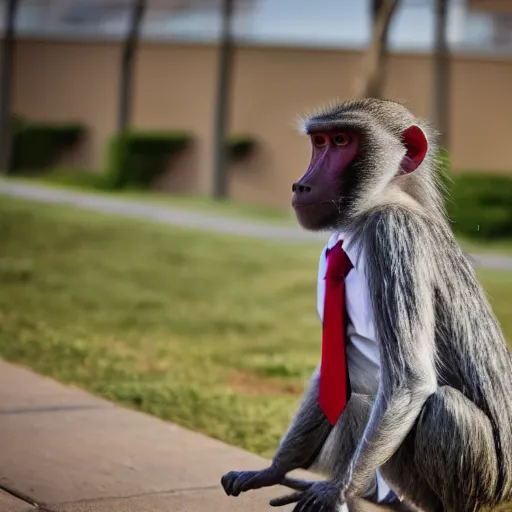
137	158
37	145
480	205
240	147
76	178
444	165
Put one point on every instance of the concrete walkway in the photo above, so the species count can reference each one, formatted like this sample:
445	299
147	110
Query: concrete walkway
190	219
64	450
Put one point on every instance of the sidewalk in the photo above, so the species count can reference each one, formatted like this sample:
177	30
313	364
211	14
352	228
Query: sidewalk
192	220
67	451
64	450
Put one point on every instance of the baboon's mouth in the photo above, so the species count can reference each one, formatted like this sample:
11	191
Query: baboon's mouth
310	204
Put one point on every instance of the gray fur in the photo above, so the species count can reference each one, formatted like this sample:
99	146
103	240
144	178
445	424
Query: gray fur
307	433
440	421
440	341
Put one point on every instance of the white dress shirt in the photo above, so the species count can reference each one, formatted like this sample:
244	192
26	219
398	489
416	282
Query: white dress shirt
361	340
360	330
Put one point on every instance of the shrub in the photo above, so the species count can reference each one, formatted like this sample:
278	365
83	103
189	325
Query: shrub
77	178
37	145
17	123
136	158
240	147
481	205
444	167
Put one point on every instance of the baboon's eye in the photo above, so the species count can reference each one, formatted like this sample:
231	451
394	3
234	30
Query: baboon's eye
320	140
341	139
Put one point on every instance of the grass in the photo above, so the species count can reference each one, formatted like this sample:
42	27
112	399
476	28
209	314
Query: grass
160	318
215	333
95	182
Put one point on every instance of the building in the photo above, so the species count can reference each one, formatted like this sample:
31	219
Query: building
490	24
288	60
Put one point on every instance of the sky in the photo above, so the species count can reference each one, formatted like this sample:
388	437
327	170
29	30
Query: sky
325	23
333	23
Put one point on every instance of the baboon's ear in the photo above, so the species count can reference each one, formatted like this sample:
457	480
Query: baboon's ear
416	145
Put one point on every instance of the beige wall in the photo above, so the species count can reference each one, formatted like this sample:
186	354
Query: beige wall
68	82
490	5
175	88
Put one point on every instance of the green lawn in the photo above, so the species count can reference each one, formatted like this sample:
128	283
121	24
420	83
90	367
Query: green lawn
213	332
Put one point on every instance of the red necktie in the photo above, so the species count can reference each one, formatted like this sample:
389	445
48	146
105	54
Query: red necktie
334	382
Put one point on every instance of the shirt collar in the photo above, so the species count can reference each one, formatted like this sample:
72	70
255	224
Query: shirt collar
353	250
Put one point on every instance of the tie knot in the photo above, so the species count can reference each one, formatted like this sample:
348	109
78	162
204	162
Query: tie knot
338	262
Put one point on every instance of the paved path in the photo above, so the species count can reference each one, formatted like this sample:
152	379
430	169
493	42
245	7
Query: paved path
64	450
190	219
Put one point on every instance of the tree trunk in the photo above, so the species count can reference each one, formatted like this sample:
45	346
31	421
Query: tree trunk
442	76
6	86
127	61
372	77
226	50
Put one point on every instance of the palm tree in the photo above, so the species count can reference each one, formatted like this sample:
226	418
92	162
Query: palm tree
137	10
372	78
442	74
11	7
220	167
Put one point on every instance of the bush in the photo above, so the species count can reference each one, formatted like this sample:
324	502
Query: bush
77	178
137	158
36	146
444	166
481	205
240	147
17	123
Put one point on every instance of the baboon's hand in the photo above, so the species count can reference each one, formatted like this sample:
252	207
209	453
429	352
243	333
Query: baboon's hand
319	497
236	482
